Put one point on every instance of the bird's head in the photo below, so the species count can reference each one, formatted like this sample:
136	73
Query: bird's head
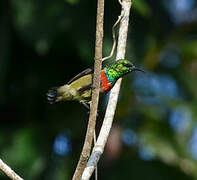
124	66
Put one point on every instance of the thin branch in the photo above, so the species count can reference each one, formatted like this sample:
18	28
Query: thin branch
95	94
96	168
107	123
9	172
114	38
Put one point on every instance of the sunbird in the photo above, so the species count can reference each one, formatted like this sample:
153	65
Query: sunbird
79	88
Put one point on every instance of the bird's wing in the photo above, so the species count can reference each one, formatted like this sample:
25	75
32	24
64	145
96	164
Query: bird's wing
83	73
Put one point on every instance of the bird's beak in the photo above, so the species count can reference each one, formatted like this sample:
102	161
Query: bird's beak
137	69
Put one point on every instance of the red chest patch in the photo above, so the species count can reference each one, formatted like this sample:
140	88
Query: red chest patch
105	84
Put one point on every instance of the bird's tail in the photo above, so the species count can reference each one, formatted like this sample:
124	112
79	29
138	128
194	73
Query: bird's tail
52	95
62	93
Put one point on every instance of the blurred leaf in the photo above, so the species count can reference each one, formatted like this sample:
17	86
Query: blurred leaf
73	1
142	7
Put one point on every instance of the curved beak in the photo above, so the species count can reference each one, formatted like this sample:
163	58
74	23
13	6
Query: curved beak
137	69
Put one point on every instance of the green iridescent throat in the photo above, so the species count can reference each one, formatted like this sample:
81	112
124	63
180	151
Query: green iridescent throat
117	70
112	75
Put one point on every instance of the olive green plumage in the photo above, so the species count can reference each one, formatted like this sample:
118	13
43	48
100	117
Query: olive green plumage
79	88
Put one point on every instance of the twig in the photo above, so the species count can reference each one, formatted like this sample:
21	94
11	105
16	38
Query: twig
114	38
107	123
9	172
96	168
95	94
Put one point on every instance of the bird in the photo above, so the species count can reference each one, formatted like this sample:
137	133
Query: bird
80	87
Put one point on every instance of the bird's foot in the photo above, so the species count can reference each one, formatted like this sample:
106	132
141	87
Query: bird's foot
87	106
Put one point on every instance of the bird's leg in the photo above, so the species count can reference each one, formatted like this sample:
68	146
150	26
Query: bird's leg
92	87
87	106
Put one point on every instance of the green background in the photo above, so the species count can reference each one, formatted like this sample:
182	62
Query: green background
45	43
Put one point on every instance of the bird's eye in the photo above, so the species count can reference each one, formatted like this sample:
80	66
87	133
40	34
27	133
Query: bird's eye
127	65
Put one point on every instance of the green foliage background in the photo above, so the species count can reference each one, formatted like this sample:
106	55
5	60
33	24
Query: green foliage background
44	43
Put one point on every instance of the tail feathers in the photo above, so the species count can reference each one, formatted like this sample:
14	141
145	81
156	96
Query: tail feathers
52	95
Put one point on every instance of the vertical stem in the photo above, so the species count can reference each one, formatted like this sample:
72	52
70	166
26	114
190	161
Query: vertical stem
111	107
95	94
